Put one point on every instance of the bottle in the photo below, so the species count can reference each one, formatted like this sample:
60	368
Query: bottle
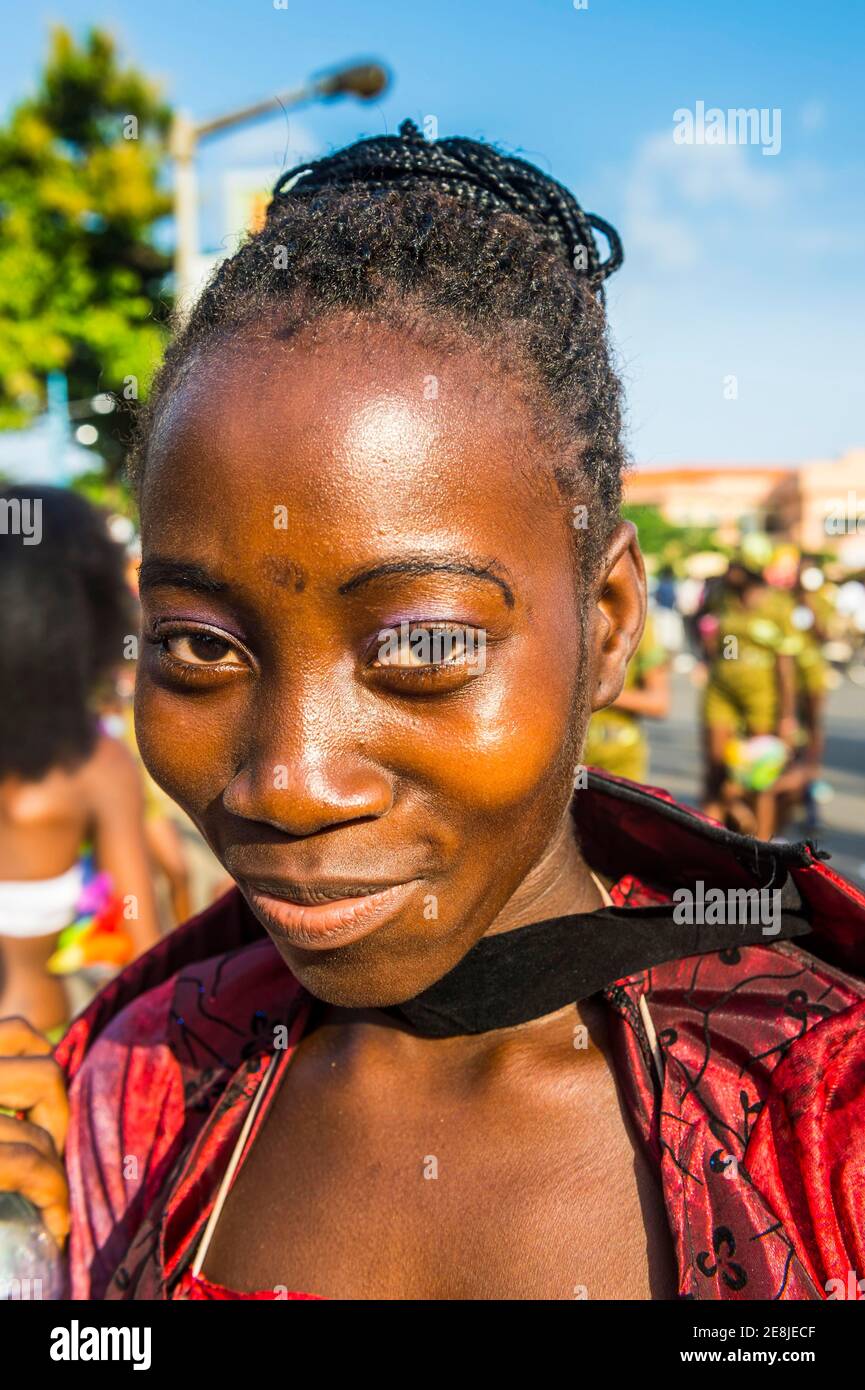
32	1265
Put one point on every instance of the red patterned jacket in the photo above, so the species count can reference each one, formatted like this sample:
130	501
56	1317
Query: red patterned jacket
758	1128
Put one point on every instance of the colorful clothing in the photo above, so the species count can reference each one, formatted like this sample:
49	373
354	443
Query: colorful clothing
812	668
80	910
742	690
97	934
615	740
42	906
757	1132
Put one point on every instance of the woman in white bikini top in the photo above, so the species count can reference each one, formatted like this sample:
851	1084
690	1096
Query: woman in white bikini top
66	613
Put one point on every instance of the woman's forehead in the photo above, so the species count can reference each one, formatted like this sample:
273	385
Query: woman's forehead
253	376
348	438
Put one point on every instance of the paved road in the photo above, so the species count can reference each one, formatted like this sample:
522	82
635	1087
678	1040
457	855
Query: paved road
676	765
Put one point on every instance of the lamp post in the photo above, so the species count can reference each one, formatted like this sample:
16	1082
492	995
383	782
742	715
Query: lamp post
362	80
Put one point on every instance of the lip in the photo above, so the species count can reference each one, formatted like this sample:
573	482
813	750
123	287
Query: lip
321	926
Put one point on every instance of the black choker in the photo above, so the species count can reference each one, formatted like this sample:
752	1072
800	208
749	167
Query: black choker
535	970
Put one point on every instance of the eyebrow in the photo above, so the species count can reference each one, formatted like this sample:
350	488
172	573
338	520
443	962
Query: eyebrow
158	571
420	565
179	574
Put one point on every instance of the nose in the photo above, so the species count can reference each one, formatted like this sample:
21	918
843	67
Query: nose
305	767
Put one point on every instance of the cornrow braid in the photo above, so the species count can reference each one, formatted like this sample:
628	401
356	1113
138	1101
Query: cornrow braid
450	240
477	174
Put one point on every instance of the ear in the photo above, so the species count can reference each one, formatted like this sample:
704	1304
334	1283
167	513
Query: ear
617	615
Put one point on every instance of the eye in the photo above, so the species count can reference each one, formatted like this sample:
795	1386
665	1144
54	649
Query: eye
430	651
199	649
413	646
188	652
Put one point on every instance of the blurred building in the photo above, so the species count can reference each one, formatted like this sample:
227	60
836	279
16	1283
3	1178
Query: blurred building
819	504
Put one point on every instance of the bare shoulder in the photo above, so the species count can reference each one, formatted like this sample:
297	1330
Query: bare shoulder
111	774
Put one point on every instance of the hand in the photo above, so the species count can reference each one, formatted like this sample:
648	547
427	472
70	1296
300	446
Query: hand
31	1148
788	729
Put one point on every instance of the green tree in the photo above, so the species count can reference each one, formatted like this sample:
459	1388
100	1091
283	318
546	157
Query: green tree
81	280
664	538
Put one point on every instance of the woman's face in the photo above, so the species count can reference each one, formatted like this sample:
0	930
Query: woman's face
363	666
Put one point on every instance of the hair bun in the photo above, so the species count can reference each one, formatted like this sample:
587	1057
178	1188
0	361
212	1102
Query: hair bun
410	131
471	170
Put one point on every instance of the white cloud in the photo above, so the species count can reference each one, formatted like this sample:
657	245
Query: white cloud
670	185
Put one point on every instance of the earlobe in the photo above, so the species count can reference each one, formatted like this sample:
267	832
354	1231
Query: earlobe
619	614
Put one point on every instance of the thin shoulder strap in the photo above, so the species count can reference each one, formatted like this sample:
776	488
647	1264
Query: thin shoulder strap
654	1048
236	1155
602	889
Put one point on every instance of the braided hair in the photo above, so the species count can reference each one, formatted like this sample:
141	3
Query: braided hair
449	237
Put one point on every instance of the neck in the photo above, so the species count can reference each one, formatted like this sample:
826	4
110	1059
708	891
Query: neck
560	883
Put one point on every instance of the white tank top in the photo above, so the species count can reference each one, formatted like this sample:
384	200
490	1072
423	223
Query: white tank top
38	907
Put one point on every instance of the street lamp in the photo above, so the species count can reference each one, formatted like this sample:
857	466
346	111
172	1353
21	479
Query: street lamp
362	80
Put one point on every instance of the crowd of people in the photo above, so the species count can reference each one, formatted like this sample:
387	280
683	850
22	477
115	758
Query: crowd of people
757	637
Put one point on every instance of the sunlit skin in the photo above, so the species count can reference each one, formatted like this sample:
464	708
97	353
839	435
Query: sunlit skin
314	497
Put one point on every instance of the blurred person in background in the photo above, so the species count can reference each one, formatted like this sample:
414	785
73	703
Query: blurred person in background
75	884
749	705
815	618
665	589
850	607
812	615
667	616
165	845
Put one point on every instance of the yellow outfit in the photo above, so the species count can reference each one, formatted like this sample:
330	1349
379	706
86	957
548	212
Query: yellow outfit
615	740
812	667
742	689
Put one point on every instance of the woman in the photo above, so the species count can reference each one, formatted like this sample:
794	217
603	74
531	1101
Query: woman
815	614
64	784
415	1053
751	646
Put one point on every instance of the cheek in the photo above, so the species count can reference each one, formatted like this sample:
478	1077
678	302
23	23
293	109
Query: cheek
184	741
503	747
513	738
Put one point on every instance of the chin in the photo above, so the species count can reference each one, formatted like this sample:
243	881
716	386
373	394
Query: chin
366	975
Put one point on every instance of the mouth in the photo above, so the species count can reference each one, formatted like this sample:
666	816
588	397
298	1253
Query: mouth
321	916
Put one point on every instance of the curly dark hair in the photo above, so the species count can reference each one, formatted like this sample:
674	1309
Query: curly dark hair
450	238
65	609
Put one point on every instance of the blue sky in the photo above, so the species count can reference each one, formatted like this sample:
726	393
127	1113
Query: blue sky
738	264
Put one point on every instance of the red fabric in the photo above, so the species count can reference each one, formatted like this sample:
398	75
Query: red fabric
759	1129
759	1176
202	1290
